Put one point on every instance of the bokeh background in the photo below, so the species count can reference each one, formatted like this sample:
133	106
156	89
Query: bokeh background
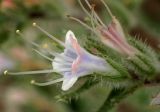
140	18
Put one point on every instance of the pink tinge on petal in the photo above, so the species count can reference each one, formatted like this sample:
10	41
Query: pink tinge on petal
75	45
75	65
77	48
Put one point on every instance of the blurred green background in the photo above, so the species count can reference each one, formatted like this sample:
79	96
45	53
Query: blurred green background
141	18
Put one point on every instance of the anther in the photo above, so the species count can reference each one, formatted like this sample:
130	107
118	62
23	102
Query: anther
68	15
93	6
45	46
17	31
48	34
5	72
34	24
32	81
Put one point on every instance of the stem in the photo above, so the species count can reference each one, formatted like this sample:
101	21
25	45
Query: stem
115	96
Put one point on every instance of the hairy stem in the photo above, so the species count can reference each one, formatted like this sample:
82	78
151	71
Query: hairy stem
115	96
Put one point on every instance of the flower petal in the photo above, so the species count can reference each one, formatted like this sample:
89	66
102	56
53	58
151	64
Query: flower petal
117	26
72	42
68	81
70	35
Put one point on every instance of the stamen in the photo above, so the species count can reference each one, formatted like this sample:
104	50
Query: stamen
46	57
19	33
65	58
35	44
38	46
45	46
55	54
85	25
49	35
108	9
5	72
84	9
90	6
65	70
79	21
46	83
29	72
93	19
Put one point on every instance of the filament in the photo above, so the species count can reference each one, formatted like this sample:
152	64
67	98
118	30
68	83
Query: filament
55	54
95	13
49	35
46	57
93	19
30	42
46	83
79	21
65	58
38	46
29	72
44	48
108	9
90	15
63	69
19	33
84	9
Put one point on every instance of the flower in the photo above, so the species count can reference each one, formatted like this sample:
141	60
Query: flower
77	62
114	37
73	63
111	35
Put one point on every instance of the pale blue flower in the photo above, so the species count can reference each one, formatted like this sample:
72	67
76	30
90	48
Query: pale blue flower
76	62
73	63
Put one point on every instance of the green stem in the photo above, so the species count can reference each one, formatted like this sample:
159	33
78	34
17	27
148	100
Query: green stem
115	96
